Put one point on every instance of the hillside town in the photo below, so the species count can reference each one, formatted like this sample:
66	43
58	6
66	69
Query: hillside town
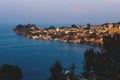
90	34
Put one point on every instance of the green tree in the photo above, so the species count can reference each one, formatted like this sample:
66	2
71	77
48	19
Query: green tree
57	71
72	75
73	26
52	27
10	72
89	60
105	63
111	48
111	57
88	26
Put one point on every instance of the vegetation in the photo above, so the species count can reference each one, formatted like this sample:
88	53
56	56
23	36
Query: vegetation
10	72
102	65
73	26
98	65
106	63
58	72
89	62
24	29
88	26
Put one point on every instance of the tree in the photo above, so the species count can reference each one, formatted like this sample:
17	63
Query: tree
88	26
33	25
89	60
109	58
19	26
52	27
72	75
73	26
10	72
111	48
57	71
105	63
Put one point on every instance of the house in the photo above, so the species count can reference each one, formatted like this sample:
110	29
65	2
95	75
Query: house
34	37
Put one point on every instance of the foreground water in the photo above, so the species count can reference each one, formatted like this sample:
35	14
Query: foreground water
35	57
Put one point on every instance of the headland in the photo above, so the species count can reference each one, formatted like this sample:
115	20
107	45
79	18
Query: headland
89	34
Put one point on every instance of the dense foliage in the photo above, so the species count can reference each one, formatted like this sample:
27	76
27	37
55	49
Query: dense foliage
58	72
24	29
105	64
10	72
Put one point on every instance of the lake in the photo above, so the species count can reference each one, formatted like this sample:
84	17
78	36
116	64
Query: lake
35	57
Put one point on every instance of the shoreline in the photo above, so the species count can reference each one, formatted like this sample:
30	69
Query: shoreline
90	35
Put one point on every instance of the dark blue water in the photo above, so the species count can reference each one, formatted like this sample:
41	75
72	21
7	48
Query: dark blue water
35	57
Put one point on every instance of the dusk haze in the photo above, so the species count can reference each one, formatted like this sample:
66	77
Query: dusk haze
59	11
59	39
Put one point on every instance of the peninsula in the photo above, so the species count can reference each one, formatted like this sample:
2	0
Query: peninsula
90	34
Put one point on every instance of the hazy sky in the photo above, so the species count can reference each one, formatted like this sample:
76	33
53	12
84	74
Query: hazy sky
59	11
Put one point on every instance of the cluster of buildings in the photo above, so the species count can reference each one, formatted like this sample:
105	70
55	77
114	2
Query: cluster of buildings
75	34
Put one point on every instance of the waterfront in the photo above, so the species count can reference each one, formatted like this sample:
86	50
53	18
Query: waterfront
35	57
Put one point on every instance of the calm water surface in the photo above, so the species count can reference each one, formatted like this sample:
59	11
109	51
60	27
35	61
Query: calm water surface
35	57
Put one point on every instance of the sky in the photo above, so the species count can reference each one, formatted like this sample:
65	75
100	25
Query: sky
59	11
